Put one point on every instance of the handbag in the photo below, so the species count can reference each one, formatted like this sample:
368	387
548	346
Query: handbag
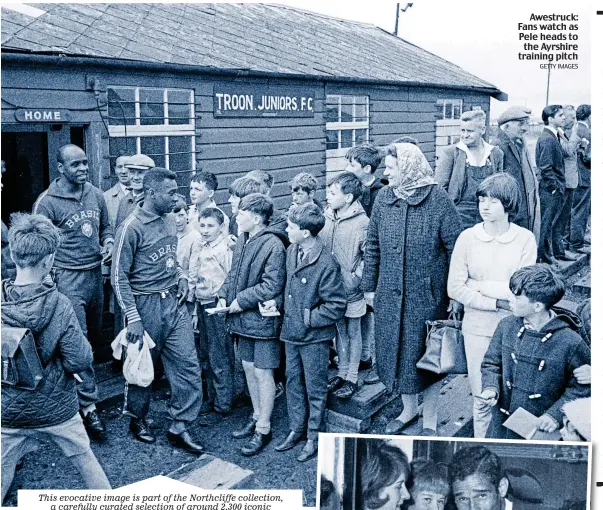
21	365
445	349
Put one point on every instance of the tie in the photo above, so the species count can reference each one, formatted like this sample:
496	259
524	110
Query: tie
128	188
300	256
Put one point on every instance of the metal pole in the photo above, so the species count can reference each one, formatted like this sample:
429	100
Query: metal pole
397	18
548	85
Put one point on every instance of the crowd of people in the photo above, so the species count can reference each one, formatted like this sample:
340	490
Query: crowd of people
272	295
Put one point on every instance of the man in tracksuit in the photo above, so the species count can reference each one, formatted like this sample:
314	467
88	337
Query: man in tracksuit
151	289
78	208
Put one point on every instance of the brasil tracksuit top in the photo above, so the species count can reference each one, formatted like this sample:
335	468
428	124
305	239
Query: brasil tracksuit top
144	259
84	222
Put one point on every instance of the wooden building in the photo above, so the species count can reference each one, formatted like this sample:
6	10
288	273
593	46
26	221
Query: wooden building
226	88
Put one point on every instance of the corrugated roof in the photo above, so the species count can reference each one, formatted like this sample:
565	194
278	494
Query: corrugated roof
251	37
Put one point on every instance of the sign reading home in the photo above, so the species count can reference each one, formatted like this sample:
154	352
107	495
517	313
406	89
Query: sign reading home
262	101
41	115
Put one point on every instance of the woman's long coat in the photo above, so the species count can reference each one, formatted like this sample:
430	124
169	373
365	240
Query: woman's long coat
408	249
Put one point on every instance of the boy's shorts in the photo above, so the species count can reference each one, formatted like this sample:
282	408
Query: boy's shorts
264	354
70	436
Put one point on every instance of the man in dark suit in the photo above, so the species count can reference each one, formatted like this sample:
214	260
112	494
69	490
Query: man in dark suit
581	207
550	161
513	124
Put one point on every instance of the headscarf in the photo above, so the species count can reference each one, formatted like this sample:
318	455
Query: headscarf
415	171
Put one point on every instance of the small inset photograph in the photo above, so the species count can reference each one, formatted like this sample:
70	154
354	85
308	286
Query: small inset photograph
393	473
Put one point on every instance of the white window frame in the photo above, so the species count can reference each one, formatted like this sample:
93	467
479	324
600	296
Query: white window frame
166	129
452	102
354	125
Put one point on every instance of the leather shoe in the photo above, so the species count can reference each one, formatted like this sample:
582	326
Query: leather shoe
308	451
247	430
94	425
256	444
335	383
396	426
141	430
292	439
346	391
372	377
185	442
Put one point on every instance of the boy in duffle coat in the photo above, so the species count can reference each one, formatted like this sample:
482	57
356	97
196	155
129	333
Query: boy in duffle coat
315	300
533	355
257	275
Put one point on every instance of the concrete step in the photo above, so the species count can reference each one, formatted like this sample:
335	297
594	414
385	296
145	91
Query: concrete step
211	473
582	287
366	402
455	410
570	268
343	424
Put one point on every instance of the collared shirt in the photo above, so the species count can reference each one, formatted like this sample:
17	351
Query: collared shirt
508	505
144	258
552	130
471	156
529	326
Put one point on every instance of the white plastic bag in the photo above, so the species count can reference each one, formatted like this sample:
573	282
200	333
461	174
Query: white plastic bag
138	366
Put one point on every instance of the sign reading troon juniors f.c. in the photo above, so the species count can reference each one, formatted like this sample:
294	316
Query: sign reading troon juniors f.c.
263	101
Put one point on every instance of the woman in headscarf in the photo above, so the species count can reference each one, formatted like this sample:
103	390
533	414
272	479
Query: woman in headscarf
464	165
412	232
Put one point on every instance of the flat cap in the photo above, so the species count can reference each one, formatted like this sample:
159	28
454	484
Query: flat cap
514	113
139	162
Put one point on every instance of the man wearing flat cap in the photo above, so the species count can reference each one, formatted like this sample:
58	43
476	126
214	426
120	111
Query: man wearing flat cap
509	137
137	165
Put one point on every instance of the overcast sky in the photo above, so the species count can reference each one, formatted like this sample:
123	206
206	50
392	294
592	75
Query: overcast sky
482	38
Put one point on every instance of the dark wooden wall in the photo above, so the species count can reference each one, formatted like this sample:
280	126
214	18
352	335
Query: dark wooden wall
230	147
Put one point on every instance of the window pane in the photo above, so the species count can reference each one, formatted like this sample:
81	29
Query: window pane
347	112
457	110
346	138
448	114
120	147
179	108
361	136
154	147
361	113
151	106
181	158
332	109
332	142
121	107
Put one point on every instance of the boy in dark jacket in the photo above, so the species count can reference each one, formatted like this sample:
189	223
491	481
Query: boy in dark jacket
257	275
533	354
315	300
50	411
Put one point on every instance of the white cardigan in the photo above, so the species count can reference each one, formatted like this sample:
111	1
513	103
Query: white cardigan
480	270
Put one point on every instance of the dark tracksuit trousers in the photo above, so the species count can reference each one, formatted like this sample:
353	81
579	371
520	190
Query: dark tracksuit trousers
216	351
169	325
307	380
84	288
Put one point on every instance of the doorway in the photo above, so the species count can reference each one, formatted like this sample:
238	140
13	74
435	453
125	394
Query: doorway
27	175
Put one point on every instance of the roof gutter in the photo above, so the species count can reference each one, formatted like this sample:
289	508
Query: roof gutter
58	58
